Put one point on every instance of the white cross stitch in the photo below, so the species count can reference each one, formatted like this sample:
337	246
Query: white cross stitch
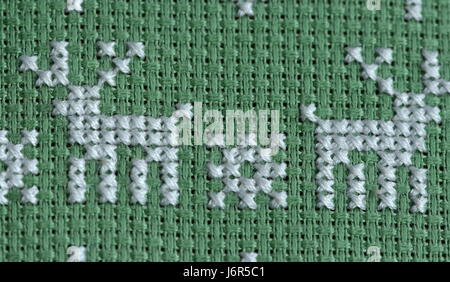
247	188
17	166
101	134
74	5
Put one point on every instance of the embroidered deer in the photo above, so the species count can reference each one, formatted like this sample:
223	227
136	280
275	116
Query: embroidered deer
100	134
394	141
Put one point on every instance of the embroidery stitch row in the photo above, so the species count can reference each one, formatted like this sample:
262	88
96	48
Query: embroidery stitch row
17	166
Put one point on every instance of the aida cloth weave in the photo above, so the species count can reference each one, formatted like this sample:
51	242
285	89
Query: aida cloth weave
287	54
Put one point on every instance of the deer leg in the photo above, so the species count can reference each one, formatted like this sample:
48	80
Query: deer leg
356	181
106	154
387	167
168	158
325	179
169	190
418	193
77	182
139	187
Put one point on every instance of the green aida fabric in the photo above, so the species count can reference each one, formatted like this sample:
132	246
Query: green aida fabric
280	56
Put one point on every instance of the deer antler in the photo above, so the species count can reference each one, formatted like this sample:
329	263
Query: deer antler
120	65
58	71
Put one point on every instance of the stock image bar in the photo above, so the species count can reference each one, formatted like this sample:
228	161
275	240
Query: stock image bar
223	139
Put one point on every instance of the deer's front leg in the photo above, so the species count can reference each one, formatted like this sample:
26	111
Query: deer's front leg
106	154
418	193
77	180
387	169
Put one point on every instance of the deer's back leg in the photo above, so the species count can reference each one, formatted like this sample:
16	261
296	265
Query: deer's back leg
108	183
167	157
356	186
387	167
107	189
326	161
418	193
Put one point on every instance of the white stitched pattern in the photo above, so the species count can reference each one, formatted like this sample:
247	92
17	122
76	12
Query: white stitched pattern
29	195
394	141
413	10
17	167
135	49
100	134
249	257
245	7
106	48
77	184
58	71
76	254
74	5
246	188
28	63
418	193
139	187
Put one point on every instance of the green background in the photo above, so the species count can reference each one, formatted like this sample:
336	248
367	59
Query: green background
290	53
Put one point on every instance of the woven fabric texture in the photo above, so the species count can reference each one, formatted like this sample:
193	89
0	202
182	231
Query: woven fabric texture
272	55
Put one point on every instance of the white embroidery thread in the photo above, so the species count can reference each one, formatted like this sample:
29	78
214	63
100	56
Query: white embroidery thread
76	254
59	70
394	141
246	188
17	166
74	5
413	10
249	257
100	134
245	7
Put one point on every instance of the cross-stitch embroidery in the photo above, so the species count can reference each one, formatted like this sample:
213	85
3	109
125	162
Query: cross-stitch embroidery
100	134
394	141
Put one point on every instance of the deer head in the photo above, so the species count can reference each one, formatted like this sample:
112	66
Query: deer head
82	99
408	107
